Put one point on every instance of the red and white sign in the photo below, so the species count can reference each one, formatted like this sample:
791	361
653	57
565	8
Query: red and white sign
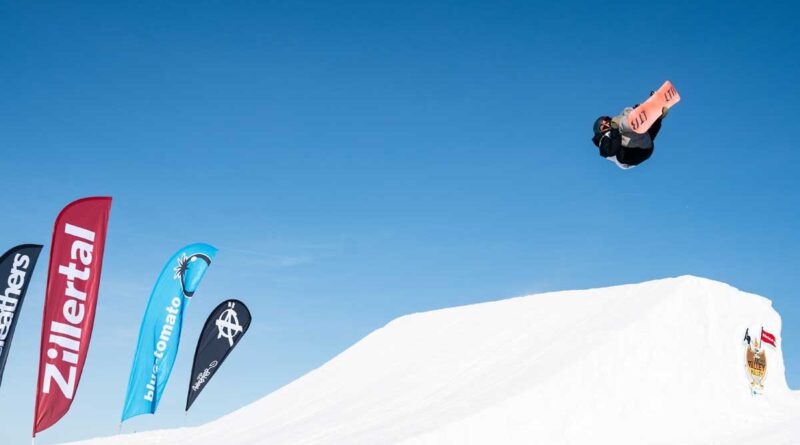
73	279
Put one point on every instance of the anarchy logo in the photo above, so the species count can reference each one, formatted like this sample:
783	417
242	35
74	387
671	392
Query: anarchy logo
228	324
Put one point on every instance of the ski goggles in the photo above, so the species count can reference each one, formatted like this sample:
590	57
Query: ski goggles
602	125
605	125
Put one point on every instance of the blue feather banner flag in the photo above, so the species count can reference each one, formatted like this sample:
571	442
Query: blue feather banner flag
160	333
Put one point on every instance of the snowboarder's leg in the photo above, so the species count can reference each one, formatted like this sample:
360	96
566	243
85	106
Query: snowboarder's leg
654	129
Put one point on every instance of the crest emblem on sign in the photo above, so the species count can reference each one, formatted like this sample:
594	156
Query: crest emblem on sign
755	362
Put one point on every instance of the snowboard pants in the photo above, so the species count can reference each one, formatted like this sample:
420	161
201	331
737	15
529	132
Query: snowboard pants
654	129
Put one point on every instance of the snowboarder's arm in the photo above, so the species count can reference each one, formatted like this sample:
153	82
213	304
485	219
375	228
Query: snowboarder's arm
610	144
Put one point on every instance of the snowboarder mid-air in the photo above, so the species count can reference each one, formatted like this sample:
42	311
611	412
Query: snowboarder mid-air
619	143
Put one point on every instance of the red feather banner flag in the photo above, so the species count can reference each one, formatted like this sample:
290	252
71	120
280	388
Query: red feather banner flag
73	279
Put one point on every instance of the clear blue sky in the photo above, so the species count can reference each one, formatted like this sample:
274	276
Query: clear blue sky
357	161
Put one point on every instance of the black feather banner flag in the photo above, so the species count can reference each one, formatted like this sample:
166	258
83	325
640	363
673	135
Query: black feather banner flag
223	329
16	268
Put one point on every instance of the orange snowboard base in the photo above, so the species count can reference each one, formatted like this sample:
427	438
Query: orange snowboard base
643	116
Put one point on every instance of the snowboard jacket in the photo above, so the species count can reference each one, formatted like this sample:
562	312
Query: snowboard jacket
624	146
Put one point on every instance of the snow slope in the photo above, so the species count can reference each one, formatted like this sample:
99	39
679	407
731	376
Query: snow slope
660	362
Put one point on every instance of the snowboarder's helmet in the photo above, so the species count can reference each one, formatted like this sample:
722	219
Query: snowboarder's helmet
601	124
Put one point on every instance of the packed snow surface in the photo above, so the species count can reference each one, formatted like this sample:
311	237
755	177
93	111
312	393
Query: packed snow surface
662	362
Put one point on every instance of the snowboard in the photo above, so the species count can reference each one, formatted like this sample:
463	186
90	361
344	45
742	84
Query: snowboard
643	116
